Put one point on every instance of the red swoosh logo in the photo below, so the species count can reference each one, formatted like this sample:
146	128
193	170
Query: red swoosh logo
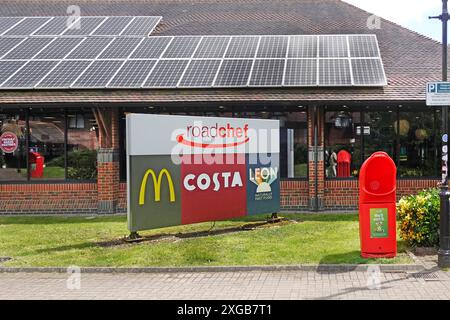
181	139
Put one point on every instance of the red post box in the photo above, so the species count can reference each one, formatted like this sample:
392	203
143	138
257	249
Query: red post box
377	211
344	160
36	164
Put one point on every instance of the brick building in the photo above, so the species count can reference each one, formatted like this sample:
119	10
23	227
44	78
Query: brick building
81	132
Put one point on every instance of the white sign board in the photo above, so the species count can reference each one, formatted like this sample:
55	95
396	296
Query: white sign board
438	94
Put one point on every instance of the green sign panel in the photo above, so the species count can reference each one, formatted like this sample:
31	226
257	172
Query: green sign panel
379	223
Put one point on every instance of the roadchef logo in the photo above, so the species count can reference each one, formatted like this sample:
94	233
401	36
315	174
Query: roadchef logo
221	136
263	178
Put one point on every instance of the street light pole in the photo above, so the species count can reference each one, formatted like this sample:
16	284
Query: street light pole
444	235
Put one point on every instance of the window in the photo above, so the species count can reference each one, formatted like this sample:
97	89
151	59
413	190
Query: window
418	153
293	144
13	157
47	142
61	143
343	143
82	144
410	135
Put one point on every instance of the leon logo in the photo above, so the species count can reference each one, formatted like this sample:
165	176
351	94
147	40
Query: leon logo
156	185
214	136
263	178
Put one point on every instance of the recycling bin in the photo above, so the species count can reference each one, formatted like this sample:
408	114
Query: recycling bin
36	164
377	210
344	160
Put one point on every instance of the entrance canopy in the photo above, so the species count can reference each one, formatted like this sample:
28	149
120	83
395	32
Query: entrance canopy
37	54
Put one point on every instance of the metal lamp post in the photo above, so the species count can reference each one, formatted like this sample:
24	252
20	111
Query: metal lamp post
444	243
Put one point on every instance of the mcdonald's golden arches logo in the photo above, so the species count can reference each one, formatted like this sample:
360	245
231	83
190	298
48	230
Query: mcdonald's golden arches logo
156	185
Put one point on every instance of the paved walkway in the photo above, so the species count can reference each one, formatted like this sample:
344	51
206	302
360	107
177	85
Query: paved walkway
228	285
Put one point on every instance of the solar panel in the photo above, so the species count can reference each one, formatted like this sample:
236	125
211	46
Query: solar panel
113	26
84	26
188	61
64	74
28	48
301	72
302	47
120	48
267	73
141	26
333	46
151	48
7	68
27	26
363	46
166	74
334	72
200	73
272	47
368	72
234	73
90	48
29	75
7	23
54	27
212	47
132	74
59	48
242	47
182	47
7	44
98	74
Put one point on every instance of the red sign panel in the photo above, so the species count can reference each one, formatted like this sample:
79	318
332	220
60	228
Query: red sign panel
214	191
8	142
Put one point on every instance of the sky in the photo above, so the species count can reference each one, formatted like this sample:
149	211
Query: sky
412	14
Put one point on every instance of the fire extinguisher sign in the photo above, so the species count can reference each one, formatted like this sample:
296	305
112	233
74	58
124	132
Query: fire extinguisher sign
379	223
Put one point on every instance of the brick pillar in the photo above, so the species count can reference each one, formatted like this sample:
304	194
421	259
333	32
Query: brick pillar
108	175
312	160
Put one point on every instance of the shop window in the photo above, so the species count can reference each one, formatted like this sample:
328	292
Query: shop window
62	144
293	144
13	157
381	135
47	142
417	149
82	144
343	132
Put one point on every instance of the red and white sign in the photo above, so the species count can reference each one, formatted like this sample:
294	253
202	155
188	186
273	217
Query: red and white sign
8	142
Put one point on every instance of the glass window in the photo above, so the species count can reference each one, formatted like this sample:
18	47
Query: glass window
47	142
417	148
381	135
81	146
293	144
342	143
13	158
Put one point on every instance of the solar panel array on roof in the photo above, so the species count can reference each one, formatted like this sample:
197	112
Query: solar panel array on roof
81	26
190	61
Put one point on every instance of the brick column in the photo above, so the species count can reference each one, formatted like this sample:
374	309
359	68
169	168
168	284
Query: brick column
108	175
312	160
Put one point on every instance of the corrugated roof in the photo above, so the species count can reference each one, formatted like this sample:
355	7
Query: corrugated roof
410	59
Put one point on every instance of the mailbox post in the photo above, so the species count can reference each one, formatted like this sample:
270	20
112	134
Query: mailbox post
377	211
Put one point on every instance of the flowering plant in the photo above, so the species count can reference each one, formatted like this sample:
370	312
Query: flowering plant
418	217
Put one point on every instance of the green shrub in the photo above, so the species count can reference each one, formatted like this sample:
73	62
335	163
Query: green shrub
419	218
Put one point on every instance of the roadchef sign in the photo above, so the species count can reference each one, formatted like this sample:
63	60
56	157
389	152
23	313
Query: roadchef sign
184	170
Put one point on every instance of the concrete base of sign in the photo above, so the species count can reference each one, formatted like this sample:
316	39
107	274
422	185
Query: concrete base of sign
444	258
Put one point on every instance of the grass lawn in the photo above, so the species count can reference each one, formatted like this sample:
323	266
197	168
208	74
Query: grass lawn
49	173
95	241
